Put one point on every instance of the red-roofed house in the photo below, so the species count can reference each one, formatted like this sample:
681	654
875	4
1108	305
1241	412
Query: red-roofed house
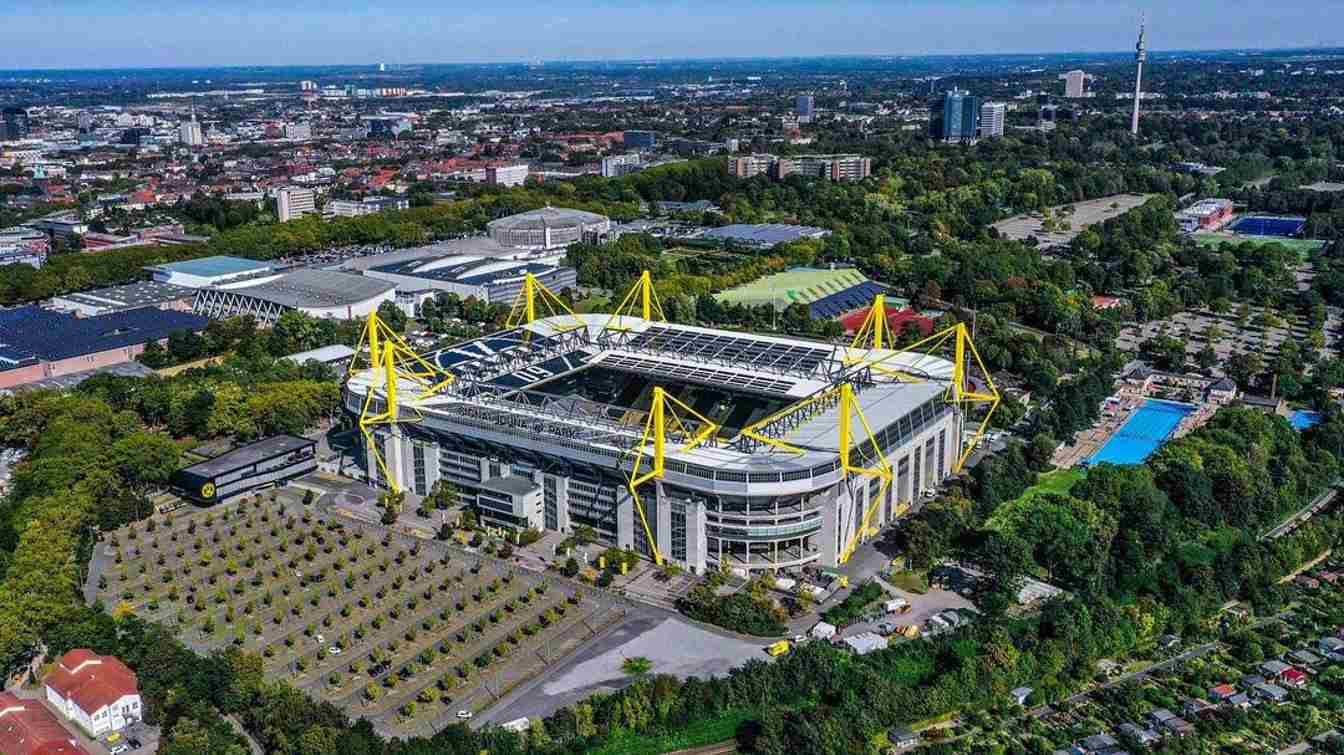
98	692
1294	678
28	728
897	321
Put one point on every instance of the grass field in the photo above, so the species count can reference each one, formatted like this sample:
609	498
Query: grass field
1059	481
592	304
803	285
698	734
1303	247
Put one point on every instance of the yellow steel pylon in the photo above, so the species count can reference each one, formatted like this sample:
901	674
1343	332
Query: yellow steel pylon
393	364
641	295
535	301
662	417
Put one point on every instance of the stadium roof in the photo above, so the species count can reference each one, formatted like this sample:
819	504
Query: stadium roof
547	217
767	234
209	267
499	376
58	335
316	288
468	269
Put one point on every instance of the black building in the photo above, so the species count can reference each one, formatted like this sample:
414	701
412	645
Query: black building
280	457
16	124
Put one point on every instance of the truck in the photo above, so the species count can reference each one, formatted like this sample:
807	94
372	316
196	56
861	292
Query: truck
517	725
777	649
897	605
911	632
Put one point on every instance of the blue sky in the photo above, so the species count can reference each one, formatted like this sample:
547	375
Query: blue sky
115	33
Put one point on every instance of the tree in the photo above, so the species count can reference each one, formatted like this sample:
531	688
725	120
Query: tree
571	567
1041	450
392	316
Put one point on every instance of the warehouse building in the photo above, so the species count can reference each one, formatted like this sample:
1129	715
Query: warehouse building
102	301
324	294
36	343
247	468
208	271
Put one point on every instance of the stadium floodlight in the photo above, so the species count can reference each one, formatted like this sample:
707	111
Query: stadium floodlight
663	417
642	295
535	297
874	335
392	365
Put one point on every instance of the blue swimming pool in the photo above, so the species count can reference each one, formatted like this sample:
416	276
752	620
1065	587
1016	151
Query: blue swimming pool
1145	431
1301	419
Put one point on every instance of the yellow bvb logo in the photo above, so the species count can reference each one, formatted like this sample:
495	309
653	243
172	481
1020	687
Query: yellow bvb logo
208	490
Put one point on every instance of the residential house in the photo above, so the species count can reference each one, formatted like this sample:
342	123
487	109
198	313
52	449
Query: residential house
902	737
28	728
1178	727
1143	736
1273	669
1097	744
1198	708
1294	678
1020	695
1305	657
1240	700
1332	647
1271	693
1310	583
98	692
1222	693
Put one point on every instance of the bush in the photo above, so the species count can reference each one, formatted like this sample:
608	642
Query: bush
852	607
739	612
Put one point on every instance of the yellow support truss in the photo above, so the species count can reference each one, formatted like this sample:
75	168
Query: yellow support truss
663	416
642	299
535	301
849	409
875	334
392	364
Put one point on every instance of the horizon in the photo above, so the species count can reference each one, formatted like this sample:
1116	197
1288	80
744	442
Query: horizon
306	33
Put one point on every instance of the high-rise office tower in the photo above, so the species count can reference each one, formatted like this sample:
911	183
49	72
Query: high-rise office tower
1075	83
992	115
804	106
961	116
85	121
1140	55
16	124
292	202
190	134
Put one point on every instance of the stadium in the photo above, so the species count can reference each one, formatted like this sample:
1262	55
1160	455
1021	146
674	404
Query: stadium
700	446
548	228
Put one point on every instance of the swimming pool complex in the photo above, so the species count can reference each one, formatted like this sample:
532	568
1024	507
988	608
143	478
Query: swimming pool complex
1145	431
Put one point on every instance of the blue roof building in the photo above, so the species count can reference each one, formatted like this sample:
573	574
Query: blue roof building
31	333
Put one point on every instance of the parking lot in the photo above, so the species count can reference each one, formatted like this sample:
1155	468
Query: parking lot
1084	214
1259	331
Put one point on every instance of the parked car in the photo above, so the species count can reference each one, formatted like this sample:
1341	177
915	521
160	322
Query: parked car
464	715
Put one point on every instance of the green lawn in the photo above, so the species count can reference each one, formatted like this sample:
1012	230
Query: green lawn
1058	481
698	734
592	304
1303	247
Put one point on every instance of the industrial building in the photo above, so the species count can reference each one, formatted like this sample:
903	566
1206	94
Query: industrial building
705	447
36	343
102	301
1205	215
548	228
208	271
493	281
763	234
323	294
256	465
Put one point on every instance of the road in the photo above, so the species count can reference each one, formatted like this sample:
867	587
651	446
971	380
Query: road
1194	652
1301	515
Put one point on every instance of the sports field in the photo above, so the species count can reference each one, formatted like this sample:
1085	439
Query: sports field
1265	225
800	285
1302	247
1146	430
